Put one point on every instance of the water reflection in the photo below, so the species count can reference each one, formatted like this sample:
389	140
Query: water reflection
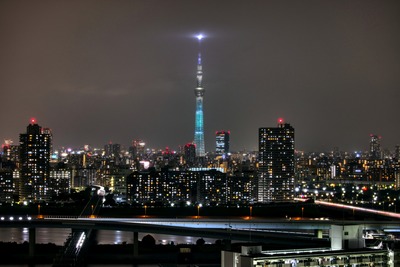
59	235
119	237
43	235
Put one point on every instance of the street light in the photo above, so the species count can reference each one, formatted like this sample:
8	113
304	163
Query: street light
302	212
38	209
92	209
251	211
198	210
145	210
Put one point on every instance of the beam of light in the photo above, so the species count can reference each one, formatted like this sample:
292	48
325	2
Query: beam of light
81	240
383	213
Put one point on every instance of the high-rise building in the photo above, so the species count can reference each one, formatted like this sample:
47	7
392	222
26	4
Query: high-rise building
276	163
222	142
199	124
190	154
112	153
375	147
397	152
112	150
6	185
10	156
35	146
60	180
138	149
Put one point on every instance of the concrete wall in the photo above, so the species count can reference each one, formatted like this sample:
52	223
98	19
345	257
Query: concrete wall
346	237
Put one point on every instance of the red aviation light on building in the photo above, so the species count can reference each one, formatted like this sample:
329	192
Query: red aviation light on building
33	121
280	121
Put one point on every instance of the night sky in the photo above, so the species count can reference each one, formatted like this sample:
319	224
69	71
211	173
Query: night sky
101	71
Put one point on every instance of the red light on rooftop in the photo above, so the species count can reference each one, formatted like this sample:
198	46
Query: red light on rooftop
33	121
280	121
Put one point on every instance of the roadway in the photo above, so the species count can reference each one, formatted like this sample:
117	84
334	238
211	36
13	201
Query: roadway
217	229
236	229
355	208
233	228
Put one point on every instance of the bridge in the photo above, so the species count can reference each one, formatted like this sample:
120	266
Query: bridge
308	232
254	230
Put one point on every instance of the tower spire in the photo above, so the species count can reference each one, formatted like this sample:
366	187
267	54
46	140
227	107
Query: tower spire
199	93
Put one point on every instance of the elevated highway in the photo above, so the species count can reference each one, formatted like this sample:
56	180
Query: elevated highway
212	228
301	233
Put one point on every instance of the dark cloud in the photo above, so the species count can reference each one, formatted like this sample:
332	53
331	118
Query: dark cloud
100	71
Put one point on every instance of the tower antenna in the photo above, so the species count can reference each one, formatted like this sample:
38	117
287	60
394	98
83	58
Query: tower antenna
199	93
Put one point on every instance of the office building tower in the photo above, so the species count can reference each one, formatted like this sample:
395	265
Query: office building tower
6	185
60	180
375	147
190	154
10	155
112	153
138	149
112	150
222	143
35	146
199	124
276	163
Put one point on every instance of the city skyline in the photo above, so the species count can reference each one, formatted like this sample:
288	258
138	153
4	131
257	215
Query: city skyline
96	72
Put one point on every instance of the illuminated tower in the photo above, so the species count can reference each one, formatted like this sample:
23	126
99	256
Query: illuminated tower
276	163
199	92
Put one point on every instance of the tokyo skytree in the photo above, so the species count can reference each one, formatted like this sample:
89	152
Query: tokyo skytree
199	92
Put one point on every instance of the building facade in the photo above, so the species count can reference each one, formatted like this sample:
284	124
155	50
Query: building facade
6	186
276	163
347	249
375	147
35	149
190	154
222	143
170	188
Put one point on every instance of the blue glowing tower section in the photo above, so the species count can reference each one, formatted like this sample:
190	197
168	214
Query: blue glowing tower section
199	124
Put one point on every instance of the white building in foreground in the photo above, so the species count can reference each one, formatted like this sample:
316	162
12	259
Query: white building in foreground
347	250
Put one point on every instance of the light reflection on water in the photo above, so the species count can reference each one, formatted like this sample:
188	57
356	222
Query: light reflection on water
43	235
59	235
119	237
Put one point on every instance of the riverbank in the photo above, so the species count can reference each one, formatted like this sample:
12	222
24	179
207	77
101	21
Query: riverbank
264	211
18	253
118	254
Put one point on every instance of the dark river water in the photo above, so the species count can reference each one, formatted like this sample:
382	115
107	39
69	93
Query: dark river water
59	235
